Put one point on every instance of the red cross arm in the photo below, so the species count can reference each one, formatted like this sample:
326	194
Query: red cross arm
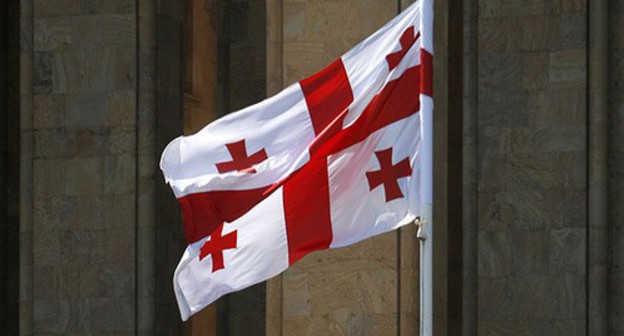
406	40
215	247
240	161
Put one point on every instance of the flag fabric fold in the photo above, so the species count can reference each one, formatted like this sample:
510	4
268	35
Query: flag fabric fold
329	161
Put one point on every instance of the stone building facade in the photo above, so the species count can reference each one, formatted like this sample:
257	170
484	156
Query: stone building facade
529	184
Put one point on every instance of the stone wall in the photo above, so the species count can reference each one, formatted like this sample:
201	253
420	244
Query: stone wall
84	167
170	241
532	167
616	167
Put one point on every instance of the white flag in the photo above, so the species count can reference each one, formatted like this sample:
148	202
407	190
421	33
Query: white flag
329	161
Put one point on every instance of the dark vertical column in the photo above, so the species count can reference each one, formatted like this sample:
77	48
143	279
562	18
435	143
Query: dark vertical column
9	167
469	164
597	198
3	168
170	242
454	166
241	82
615	122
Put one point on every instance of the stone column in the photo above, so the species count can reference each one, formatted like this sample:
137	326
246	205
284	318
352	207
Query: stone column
598	162
84	168
615	295
532	173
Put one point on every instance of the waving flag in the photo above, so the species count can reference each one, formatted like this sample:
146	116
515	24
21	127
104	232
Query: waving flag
327	162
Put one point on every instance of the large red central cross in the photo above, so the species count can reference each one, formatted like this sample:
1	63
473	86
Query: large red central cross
240	161
215	247
328	95
388	174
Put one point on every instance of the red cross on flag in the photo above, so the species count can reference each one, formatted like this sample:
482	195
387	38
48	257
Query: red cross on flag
329	161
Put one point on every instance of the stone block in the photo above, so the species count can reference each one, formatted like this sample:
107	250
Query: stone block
89	246
545	171
108	315
54	213
118	174
501	328
87	32
44	282
298	303
569	327
302	59
47	8
517	140
558	107
294	21
491	174
368	291
373	15
120	109
47	249
119	30
67	281
52	34
43	72
529	253
115	280
540	33
94	70
89	285
547	298
121	237
49	177
52	143
507	8
573	6
533	298
567	251
553	139
534	71
494	213
503	108
108	7
494	253
51	316
500	70
494	35
84	176
85	110
568	69
48	111
493	299
573	31
92	141
337	19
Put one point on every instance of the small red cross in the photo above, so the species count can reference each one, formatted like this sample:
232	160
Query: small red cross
215	247
407	39
388	174
240	161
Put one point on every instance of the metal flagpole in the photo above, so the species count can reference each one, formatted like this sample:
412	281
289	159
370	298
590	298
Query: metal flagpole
425	222
425	235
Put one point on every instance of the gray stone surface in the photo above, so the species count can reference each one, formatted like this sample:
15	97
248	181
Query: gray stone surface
616	168
532	156
84	167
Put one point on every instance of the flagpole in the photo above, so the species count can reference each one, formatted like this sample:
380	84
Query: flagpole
425	235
